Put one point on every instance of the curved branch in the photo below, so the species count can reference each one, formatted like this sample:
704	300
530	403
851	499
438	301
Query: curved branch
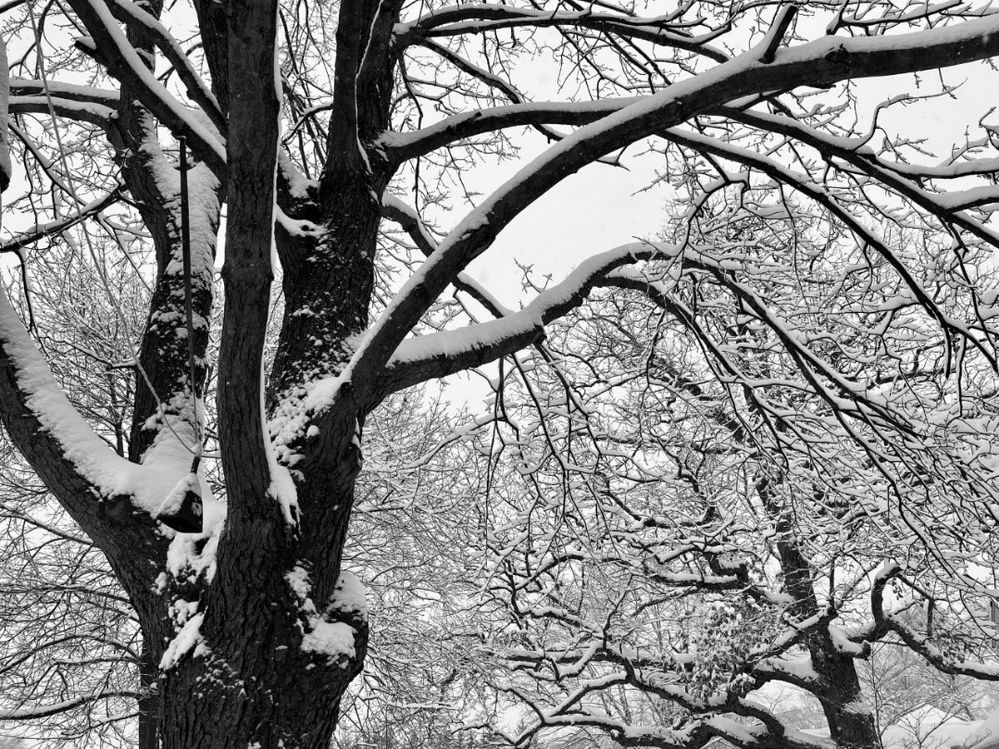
440	354
399	147
480	18
81	111
111	48
74	462
817	63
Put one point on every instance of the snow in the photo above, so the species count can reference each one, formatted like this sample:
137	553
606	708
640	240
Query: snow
192	554
843	643
334	639
109	473
956	200
203	211
290	419
299	187
282	489
175	498
349	596
5	169
187	639
298	580
987	734
799	669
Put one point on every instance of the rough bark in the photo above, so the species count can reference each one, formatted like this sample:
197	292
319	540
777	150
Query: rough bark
838	691
250	676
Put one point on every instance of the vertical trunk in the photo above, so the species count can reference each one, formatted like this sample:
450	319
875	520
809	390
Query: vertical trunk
850	724
328	283
270	669
268	648
149	702
290	702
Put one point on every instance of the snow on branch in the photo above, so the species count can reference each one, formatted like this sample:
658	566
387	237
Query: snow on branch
44	711
58	441
129	12
492	80
765	732
400	147
817	63
899	177
54	228
804	185
477	18
81	111
65	91
885	622
440	354
111	48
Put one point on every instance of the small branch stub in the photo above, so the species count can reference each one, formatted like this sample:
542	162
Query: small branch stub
777	31
183	509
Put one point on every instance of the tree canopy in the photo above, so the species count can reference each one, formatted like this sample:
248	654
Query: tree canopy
767	434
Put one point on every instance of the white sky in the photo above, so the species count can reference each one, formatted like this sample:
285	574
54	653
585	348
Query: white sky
596	209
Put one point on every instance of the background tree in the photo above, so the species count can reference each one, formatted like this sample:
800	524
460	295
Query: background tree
699	525
255	615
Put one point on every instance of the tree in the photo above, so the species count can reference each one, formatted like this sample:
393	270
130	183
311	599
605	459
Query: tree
683	557
251	629
917	702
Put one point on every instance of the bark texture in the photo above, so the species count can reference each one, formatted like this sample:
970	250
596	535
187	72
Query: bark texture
257	645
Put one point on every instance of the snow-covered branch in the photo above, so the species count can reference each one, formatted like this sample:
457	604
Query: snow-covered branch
74	461
129	13
54	228
440	354
112	49
400	147
95	114
44	711
478	18
817	63
64	91
885	622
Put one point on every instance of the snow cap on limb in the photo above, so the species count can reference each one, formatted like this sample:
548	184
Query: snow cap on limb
4	96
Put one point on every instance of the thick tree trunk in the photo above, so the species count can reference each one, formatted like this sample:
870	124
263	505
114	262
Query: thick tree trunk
149	701
280	696
851	724
271	658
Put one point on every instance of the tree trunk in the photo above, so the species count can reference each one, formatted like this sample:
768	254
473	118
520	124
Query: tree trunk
281	696
149	699
851	724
